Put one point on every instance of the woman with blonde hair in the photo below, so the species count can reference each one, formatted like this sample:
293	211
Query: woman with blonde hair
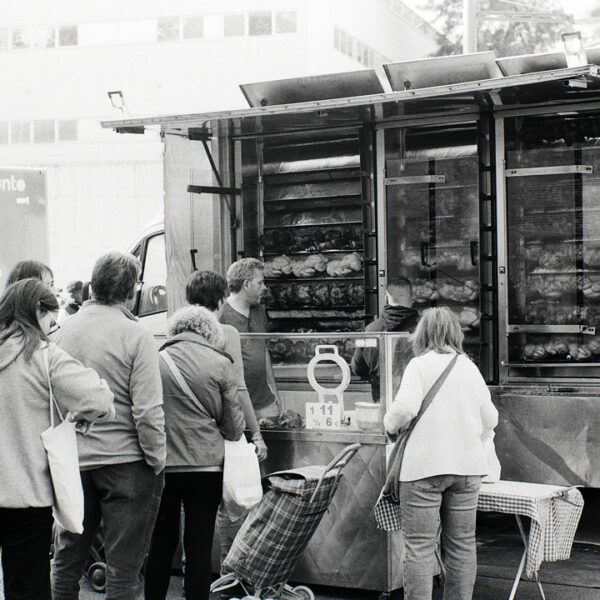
445	457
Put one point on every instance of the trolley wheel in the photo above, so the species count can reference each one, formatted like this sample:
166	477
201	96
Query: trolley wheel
304	592
96	576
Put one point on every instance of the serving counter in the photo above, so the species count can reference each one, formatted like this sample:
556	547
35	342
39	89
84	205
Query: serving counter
347	550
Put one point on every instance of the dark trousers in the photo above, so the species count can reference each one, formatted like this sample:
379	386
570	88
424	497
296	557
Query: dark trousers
125	497
200	493
25	536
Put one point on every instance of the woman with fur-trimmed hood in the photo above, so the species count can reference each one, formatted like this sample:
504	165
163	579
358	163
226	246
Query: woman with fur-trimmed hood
195	448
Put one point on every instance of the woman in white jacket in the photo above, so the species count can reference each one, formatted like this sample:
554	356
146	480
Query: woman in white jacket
445	457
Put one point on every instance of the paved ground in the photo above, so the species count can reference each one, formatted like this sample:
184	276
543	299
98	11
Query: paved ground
498	557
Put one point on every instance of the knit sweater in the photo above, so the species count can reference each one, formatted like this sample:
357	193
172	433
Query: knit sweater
449	438
109	339
25	413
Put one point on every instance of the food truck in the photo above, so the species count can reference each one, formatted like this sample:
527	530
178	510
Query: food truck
475	177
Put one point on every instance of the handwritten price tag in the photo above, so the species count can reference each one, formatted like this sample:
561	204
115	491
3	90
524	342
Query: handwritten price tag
323	416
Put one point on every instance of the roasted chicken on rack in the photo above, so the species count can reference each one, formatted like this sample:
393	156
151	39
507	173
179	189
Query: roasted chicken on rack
351	263
310	266
280	266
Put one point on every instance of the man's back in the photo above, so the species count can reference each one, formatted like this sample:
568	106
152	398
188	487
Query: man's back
108	339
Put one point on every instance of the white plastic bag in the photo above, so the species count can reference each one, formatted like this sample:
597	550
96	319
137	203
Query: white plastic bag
241	475
63	459
60	443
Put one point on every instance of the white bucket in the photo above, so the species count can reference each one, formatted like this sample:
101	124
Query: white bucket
368	416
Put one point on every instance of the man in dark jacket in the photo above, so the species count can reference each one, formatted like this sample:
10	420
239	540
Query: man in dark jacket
397	315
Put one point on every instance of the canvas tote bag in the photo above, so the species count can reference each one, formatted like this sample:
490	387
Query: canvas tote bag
60	443
242	488
387	507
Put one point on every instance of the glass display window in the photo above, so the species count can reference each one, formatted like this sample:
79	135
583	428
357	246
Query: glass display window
553	244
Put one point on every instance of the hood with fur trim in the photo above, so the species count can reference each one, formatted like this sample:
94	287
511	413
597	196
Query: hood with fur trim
200	320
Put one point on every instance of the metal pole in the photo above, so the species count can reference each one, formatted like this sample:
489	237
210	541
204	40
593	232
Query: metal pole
469	26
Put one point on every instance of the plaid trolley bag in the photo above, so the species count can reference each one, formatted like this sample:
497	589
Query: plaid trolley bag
265	550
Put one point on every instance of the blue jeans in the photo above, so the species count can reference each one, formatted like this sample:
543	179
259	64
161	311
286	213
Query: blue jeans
424	503
125	497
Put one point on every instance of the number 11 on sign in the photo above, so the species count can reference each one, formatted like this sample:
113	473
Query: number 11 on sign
323	415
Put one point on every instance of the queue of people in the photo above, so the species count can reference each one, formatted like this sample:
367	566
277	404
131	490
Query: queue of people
154	425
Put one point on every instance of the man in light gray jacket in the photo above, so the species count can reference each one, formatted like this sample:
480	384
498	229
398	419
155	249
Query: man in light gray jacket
122	461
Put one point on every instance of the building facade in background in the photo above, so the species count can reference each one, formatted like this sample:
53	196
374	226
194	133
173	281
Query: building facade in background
59	60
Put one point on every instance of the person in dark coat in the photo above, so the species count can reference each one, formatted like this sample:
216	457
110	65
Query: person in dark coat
397	315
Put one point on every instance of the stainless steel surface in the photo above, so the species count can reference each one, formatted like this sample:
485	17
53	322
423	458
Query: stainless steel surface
316	87
587	329
529	63
380	172
415	179
335	105
502	250
446	70
548	437
554	170
347	536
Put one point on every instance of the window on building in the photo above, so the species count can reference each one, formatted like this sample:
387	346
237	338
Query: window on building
192	27
3	132
260	23
67	131
43	131
20	132
67	35
336	37
234	25
4	38
29	37
285	22
167	28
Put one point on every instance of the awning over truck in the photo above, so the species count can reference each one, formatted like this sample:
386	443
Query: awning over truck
444	85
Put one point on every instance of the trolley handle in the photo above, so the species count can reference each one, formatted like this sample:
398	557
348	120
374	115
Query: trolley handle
337	463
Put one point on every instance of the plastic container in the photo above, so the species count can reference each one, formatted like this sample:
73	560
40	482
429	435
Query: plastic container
368	416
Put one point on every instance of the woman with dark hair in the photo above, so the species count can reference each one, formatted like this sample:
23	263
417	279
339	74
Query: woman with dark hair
197	422
28	311
445	457
209	289
121	462
31	268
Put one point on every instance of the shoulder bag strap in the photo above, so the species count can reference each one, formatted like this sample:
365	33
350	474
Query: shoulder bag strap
183	384
52	399
393	477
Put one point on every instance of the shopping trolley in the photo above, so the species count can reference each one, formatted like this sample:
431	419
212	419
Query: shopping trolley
274	535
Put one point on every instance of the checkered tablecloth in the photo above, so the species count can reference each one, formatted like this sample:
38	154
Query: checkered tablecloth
554	512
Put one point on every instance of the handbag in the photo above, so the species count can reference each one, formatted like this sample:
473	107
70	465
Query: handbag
242	487
387	507
60	443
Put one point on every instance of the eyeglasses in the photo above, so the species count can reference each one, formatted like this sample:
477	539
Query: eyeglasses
53	329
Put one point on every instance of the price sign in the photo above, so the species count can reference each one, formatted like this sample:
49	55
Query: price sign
323	416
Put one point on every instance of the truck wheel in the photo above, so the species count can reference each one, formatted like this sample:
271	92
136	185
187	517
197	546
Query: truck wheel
96	576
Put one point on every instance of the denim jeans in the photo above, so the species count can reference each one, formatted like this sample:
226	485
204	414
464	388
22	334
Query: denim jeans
126	498
200	493
25	536
425	503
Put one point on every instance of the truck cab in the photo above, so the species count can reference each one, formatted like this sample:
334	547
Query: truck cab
150	304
